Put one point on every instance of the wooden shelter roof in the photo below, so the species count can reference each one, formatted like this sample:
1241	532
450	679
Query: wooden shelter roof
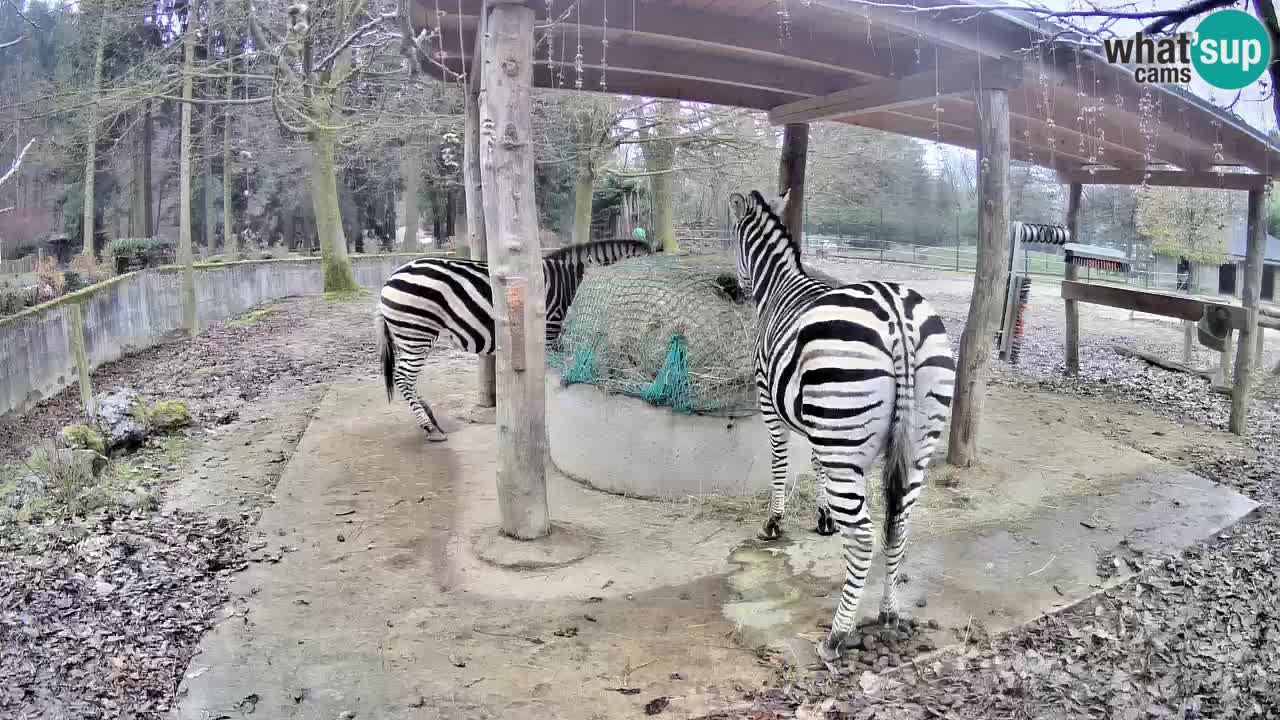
877	66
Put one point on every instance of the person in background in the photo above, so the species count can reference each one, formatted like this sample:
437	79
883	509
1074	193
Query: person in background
639	234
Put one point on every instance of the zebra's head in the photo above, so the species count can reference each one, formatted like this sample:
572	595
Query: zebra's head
759	231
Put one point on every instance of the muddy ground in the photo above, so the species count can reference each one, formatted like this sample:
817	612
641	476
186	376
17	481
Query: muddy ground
1188	639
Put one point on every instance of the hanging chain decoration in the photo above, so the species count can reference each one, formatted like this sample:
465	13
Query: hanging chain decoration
1047	105
577	59
604	47
937	98
784	23
560	65
441	55
1145	109
551	42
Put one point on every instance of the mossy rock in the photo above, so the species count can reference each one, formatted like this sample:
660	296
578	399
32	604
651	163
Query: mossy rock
169	415
83	437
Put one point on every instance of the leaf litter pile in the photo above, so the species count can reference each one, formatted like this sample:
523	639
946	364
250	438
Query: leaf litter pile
100	615
1195	635
99	620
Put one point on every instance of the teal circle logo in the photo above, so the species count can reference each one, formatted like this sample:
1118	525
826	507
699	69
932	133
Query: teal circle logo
1231	49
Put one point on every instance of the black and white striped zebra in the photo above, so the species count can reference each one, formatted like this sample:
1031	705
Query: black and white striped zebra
429	297
858	370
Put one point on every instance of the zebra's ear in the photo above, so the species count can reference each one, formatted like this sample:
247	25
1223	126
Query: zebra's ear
739	205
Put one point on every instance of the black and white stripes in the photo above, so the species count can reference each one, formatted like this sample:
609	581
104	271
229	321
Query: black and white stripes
858	370
430	297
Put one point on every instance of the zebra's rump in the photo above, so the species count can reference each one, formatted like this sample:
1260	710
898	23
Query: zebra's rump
430	296
843	359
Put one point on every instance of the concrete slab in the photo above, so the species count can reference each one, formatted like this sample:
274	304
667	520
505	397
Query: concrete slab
389	613
624	445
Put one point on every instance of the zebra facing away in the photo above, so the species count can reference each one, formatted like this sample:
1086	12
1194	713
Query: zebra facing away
858	370
433	296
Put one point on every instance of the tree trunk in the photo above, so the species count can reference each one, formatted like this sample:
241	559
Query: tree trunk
515	266
1074	198
661	154
230	245
992	262
791	171
486	392
338	276
410	175
1249	297
150	217
583	186
91	149
190	317
138	210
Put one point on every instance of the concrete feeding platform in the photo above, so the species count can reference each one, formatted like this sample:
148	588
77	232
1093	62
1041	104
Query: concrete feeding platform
388	612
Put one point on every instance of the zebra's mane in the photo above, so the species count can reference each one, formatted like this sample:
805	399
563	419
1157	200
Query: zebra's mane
783	233
575	251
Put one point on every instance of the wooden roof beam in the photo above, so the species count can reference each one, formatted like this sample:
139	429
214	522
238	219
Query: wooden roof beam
964	136
894	94
1166	178
664	25
914	23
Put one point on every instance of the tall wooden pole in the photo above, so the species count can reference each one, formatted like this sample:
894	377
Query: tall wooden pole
1074	198
791	167
515	265
992	262
486	389
186	253
1250	297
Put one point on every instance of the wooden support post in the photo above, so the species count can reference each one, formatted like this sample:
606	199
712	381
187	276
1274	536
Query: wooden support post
75	332
1074	198
485	388
1258	350
1250	297
1226	359
515	266
791	167
992	263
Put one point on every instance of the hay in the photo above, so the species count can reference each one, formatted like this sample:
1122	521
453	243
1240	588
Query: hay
675	331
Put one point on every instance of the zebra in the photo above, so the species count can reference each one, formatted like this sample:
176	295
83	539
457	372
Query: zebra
858	370
431	296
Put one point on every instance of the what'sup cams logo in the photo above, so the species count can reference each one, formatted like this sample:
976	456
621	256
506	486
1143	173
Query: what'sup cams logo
1229	50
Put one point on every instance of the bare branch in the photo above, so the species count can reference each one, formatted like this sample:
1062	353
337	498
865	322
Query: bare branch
17	162
11	43
18	11
328	60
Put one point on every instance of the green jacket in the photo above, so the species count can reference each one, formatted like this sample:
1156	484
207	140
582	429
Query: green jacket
639	234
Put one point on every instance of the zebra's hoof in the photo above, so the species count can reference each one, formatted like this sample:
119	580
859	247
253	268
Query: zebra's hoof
826	523
831	649
889	619
436	436
772	528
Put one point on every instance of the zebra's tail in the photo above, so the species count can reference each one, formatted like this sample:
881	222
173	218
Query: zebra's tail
387	351
901	445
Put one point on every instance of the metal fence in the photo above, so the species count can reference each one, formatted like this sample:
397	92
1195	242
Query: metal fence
20	266
956	258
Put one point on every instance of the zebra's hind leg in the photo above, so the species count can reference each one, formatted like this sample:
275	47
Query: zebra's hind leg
899	497
779	435
826	524
410	357
846	498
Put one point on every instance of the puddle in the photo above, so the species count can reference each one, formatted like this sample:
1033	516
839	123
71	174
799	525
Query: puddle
769	601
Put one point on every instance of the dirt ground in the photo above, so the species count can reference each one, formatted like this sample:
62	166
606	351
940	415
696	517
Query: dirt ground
255	384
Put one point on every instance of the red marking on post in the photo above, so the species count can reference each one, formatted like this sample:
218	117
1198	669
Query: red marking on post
515	312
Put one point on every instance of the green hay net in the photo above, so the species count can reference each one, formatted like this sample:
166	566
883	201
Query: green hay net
665	329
